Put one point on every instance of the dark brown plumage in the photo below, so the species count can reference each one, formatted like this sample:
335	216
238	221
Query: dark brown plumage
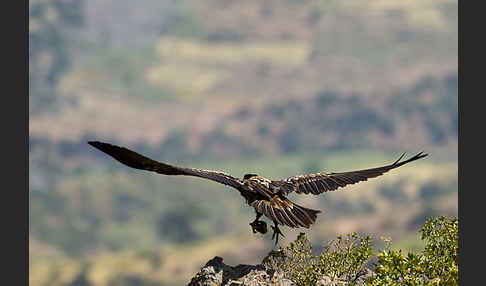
267	197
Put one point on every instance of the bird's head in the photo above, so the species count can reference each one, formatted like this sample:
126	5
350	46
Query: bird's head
247	176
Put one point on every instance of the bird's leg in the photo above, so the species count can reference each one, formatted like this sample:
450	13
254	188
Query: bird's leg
276	232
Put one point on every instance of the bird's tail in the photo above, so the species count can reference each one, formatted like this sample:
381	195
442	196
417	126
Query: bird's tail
306	215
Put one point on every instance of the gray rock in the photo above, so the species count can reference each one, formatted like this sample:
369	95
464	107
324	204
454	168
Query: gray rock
217	273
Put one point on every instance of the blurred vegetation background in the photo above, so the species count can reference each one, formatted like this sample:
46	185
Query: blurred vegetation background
277	88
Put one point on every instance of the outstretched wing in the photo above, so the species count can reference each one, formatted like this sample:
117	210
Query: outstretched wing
137	161
284	212
322	182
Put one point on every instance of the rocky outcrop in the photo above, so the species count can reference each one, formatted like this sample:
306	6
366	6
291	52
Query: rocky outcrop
217	273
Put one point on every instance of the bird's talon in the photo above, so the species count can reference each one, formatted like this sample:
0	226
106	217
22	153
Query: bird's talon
276	233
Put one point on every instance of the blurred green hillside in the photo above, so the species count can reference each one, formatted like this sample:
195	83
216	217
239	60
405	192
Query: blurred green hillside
276	88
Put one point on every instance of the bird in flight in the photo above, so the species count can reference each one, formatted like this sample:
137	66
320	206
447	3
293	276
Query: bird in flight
267	197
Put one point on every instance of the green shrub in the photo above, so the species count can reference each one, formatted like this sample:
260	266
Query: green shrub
435	265
441	236
396	269
295	261
345	259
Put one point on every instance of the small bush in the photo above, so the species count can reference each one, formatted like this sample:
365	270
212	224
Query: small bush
295	261
441	236
435	265
345	259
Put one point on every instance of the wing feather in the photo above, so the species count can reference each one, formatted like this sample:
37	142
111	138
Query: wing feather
137	161
288	214
323	182
285	216
271	213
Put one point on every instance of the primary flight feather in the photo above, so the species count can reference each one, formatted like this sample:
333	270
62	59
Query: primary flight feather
267	197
